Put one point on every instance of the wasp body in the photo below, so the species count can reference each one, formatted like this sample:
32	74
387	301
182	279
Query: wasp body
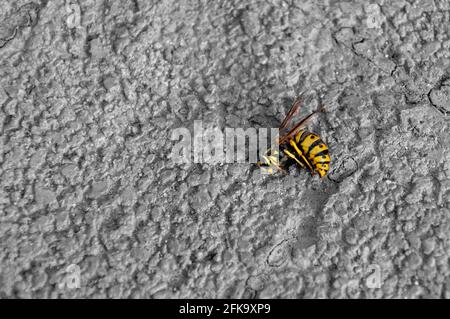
299	147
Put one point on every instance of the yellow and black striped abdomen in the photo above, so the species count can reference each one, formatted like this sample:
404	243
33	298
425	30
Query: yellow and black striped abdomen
314	150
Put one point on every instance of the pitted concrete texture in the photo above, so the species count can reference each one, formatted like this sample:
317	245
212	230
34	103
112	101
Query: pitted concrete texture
90	92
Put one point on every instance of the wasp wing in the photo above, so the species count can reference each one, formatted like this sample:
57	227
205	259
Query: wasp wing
301	125
294	108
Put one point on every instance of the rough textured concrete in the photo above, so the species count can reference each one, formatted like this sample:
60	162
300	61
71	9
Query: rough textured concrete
87	108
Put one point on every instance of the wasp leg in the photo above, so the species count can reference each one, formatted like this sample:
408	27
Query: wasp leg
267	167
275	163
300	163
294	158
300	153
270	161
267	162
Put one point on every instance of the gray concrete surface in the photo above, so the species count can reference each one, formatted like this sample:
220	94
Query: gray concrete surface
88	106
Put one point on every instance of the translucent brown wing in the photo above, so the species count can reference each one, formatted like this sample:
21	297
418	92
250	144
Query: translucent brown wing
295	106
301	125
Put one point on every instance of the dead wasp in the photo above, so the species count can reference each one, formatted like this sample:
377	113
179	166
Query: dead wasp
298	146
